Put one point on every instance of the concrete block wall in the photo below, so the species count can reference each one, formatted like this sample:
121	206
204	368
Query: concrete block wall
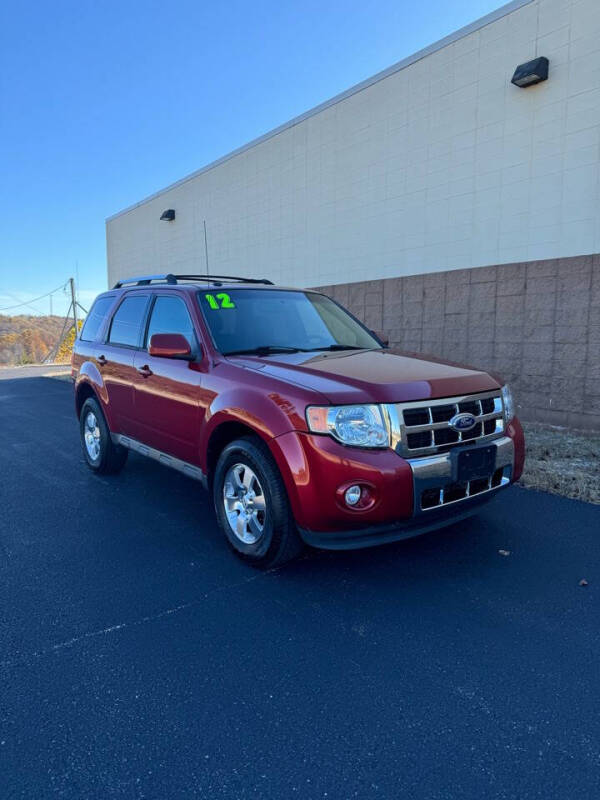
536	324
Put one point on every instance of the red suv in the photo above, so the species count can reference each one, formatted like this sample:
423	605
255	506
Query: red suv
305	427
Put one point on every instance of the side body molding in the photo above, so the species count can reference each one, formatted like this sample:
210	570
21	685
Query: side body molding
163	458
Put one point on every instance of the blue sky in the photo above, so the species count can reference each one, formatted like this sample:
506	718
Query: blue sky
103	103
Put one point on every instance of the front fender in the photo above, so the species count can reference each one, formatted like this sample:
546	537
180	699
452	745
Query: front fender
266	414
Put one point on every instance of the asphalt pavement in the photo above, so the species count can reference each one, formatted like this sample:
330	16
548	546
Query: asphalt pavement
140	659
34	371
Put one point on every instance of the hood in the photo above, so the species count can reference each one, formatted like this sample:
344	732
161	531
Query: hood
373	376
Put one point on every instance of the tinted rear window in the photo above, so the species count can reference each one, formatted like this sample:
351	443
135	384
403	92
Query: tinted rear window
95	318
127	322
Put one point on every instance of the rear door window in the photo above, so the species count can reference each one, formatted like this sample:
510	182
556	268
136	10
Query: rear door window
95	318
126	327
170	315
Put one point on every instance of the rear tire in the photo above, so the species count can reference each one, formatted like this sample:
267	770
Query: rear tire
101	454
252	507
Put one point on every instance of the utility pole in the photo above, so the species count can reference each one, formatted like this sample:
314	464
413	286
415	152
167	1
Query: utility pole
51	355
74	304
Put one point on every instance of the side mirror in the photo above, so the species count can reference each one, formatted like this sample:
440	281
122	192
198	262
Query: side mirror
170	345
383	337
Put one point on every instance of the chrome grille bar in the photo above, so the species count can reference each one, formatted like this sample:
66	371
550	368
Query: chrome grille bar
435	484
420	439
434	426
491	484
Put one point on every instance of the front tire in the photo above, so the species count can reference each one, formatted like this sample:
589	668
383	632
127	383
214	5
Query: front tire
99	451
252	507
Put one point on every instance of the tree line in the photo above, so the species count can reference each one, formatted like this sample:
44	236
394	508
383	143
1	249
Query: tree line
28	339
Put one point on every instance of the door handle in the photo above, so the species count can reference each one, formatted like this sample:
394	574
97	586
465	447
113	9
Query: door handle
101	360
145	371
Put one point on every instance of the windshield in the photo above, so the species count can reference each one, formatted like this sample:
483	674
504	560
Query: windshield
263	321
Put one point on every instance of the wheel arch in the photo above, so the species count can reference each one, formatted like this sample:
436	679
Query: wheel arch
90	384
243	411
223	434
83	392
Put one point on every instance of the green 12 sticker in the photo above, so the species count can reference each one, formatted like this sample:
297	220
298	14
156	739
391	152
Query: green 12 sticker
222	300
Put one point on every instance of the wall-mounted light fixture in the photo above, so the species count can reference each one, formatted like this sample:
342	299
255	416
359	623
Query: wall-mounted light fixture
168	215
530	73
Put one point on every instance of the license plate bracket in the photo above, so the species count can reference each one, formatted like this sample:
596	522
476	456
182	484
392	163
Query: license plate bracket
475	463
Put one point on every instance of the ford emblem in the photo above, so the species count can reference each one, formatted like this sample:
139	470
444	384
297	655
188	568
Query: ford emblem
462	422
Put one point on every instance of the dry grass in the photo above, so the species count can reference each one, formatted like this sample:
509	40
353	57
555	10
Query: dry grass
563	462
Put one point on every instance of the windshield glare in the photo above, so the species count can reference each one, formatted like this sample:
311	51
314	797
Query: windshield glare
245	319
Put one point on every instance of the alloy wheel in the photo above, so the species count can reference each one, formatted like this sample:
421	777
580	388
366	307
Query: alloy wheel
91	436
245	503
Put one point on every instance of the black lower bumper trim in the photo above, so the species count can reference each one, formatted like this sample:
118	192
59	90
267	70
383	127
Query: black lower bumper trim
395	531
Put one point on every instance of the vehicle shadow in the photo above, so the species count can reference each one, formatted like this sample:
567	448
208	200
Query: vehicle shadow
465	548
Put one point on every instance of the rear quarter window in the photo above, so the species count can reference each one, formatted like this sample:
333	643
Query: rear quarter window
95	318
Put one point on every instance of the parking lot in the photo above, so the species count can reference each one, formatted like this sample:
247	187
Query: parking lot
140	659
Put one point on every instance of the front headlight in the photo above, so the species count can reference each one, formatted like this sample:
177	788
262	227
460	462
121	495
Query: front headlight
509	403
360	426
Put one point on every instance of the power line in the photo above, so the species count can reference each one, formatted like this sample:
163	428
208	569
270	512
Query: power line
35	299
26	305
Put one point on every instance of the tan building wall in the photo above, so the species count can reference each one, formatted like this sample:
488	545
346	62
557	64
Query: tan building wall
438	163
471	204
536	324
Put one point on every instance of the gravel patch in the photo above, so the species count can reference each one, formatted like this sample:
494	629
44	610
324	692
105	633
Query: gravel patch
563	462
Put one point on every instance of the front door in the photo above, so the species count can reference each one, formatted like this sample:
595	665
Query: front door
167	390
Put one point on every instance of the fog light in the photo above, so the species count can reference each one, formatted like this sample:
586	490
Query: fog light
352	495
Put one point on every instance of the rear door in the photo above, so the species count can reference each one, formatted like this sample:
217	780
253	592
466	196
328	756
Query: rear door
85	347
167	390
115	358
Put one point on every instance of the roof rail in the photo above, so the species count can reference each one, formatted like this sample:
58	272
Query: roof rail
145	280
217	278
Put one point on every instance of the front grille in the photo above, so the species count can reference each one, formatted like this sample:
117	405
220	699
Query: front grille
418	440
445	436
438	413
417	416
436	496
422	428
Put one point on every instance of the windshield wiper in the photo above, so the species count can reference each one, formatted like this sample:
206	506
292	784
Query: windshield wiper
270	349
338	347
263	350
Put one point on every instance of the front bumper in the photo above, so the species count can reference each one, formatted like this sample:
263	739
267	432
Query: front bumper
394	531
434	478
413	495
